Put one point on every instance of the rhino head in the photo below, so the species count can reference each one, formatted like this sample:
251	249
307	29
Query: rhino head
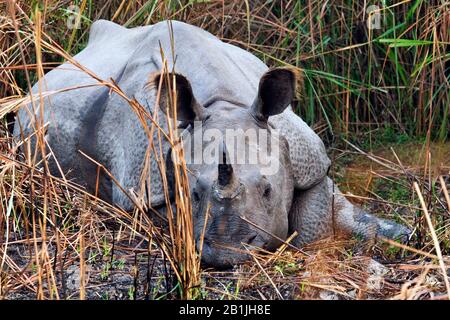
239	169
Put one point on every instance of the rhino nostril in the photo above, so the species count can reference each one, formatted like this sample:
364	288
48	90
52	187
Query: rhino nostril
195	196
251	239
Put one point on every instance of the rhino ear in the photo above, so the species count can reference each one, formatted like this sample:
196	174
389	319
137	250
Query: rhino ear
276	91
187	109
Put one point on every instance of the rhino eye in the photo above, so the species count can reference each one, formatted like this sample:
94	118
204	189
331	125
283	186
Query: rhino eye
267	191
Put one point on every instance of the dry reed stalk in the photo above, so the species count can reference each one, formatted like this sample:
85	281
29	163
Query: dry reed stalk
267	276
182	226
435	239
445	191
82	253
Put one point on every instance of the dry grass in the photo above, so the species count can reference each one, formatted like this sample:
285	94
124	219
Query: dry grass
59	242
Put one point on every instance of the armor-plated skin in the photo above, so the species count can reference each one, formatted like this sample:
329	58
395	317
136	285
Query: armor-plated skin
224	81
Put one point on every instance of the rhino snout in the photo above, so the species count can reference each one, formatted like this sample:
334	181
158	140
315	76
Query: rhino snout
222	254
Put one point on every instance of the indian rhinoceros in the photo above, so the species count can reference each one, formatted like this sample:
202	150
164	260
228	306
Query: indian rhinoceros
220	87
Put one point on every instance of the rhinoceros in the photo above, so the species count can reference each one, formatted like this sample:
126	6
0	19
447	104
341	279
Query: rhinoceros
219	87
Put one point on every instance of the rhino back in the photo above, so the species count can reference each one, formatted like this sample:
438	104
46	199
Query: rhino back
69	112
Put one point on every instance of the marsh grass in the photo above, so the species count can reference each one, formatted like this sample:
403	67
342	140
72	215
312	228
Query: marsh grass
364	89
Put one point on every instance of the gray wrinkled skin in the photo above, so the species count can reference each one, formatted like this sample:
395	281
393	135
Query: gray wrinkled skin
265	200
224	81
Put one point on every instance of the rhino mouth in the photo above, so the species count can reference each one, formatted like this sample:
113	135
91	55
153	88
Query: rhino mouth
224	255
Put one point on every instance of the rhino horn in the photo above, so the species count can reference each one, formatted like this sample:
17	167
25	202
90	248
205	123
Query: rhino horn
225	175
